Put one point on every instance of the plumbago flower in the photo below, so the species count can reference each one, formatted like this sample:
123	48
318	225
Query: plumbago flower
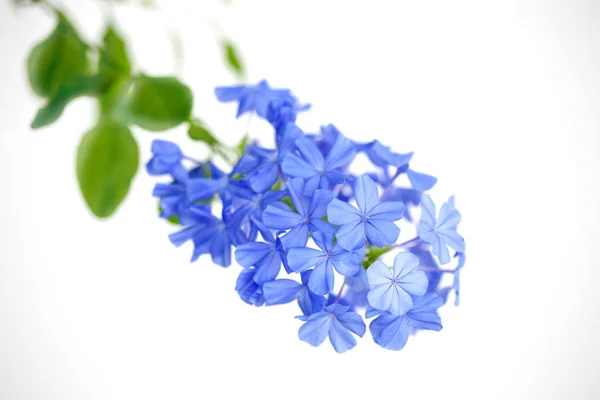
309	229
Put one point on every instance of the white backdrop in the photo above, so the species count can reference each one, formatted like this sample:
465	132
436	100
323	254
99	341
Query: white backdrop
498	99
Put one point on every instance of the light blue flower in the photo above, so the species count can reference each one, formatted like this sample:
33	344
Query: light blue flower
392	291
392	331
372	220
440	232
330	256
335	321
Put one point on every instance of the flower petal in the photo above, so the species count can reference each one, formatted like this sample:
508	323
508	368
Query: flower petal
340	337
390	210
315	329
281	291
366	194
321	279
280	216
381	232
302	258
351	236
340	213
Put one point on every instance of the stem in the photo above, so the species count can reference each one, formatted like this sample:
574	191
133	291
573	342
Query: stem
409	243
339	295
193	160
440	271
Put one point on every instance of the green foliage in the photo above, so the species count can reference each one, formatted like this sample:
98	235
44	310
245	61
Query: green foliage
107	161
158	103
59	70
373	253
79	86
58	59
233	59
199	132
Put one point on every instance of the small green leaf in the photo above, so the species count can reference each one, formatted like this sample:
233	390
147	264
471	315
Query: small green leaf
173	219
373	253
58	59
198	131
158	104
107	161
233	59
115	68
68	91
241	147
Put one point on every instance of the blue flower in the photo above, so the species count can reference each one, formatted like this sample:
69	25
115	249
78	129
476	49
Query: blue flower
391	331
166	159
335	321
383	156
253	98
173	198
280	112
440	232
283	291
391	290
325	260
309	215
421	182
263	176
267	257
209	234
372	220
319	172
248	290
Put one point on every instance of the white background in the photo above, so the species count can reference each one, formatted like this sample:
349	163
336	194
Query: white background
500	100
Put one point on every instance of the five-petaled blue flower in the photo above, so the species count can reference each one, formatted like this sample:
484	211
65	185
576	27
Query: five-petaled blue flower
440	232
335	321
308	218
318	171
283	291
392	290
325	260
391	331
372	220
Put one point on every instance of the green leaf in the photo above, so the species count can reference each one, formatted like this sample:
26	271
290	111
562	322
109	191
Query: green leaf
115	68
158	103
107	161
80	86
233	59
58	59
373	253
198	131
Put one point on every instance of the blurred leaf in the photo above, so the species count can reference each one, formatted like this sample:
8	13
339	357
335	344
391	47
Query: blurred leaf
198	131
233	59
107	161
241	147
373	253
115	68
159	103
58	59
68	91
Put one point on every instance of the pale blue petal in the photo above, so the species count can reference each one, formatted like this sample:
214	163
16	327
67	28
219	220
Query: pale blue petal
390	210
203	188
296	191
381	297
280	217
453	239
421	182
264	178
310	153
341	154
351	236
321	279
302	258
390	332
319	225
427	210
340	213
323	240
448	219
381	232
401	301
341	339
423	314
344	267
379	274
365	192
268	268
294	166
353	322
281	291
315	329
296	237
319	202
247	255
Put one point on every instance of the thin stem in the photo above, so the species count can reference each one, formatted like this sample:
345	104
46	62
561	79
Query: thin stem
437	270
193	160
409	243
339	295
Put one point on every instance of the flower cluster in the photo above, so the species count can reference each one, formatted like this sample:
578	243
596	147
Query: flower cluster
299	206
